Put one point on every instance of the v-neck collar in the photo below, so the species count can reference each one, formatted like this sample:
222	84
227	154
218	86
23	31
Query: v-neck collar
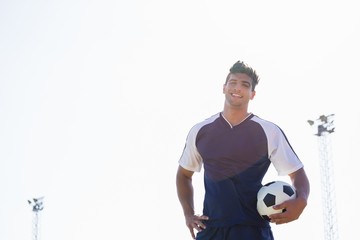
232	126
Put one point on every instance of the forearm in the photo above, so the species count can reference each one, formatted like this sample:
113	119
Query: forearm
301	184
185	193
295	207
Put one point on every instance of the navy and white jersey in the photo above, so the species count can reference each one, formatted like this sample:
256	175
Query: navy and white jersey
235	160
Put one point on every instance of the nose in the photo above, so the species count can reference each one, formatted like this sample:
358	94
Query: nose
237	87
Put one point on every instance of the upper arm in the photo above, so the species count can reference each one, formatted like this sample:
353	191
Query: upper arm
182	172
298	175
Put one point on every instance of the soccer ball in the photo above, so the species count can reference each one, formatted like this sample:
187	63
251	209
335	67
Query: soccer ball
271	194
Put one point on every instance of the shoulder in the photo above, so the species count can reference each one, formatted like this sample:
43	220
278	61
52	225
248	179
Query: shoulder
267	125
272	130
205	122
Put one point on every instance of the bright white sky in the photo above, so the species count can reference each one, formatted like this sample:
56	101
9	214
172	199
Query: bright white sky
97	97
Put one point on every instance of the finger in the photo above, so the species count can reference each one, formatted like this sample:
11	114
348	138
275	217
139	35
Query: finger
192	233
276	216
203	217
282	221
280	206
199	226
279	220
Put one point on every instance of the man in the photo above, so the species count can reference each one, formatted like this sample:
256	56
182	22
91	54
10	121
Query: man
236	148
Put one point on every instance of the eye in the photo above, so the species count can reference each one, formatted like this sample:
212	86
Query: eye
232	83
246	84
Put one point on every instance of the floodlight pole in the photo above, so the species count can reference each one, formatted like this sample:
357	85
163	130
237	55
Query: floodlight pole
37	205
325	126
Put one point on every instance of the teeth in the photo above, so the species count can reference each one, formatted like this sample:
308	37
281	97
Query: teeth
236	95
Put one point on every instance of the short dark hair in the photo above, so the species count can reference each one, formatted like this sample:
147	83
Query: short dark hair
241	67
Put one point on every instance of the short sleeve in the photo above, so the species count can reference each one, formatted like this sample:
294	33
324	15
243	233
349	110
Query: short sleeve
191	159
281	154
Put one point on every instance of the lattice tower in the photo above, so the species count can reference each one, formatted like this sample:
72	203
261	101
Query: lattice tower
324	128
37	206
328	188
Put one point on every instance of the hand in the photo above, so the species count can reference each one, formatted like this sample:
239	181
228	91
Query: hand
293	207
195	221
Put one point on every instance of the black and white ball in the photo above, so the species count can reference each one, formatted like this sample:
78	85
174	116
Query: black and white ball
271	194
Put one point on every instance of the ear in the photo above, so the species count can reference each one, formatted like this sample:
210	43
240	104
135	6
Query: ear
224	88
253	93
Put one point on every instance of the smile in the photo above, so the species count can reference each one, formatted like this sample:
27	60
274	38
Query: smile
236	95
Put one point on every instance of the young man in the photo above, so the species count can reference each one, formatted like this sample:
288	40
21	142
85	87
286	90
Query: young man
236	149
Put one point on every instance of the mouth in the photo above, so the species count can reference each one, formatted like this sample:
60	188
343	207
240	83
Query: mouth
236	95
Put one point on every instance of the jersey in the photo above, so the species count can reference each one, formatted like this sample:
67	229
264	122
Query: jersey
235	160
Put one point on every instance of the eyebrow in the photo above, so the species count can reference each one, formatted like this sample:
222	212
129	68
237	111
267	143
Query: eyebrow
242	81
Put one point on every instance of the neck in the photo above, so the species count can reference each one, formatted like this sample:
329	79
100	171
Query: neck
235	116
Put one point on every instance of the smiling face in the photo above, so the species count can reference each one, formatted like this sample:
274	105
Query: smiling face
238	90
